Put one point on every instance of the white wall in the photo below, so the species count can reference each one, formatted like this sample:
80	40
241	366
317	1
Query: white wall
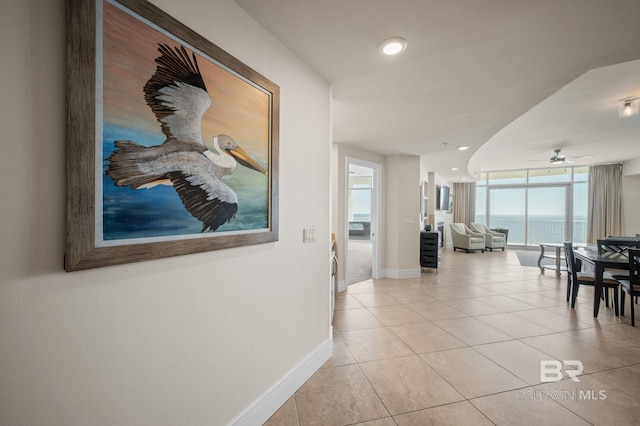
631	167
631	196
204	339
403	216
631	204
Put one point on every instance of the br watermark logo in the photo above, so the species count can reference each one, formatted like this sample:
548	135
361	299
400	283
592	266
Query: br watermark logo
551	370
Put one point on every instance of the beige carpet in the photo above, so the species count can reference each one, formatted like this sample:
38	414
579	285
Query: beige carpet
359	261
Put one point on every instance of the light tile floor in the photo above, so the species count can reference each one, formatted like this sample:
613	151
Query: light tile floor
464	346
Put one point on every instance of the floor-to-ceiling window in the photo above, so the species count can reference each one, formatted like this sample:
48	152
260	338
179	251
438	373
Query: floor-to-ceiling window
547	214
536	205
508	207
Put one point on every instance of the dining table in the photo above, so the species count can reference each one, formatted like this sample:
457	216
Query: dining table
600	262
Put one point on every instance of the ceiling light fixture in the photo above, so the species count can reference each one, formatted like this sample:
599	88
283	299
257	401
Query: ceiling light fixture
454	168
463	148
393	46
628	107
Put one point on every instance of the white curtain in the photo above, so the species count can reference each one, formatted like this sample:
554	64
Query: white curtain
464	202
604	215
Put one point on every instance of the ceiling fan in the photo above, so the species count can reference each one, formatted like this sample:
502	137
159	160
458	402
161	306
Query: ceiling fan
558	158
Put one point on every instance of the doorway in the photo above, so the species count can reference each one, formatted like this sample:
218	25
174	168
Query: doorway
362	221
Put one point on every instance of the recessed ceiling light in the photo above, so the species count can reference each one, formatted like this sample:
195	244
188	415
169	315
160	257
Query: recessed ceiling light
393	46
463	148
454	168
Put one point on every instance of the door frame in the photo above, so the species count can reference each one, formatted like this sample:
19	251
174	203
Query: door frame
376	197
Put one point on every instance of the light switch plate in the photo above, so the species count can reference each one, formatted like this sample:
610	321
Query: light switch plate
309	235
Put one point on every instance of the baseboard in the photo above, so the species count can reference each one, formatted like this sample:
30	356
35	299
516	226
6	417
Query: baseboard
269	402
402	274
341	285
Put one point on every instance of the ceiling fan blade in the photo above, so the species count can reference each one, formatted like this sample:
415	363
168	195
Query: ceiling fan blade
558	159
578	157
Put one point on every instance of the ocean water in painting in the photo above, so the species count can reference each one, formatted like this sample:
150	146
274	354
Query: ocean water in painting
158	211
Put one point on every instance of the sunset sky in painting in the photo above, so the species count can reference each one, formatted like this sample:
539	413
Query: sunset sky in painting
238	109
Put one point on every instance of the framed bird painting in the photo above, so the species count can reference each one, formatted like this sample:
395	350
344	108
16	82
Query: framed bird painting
172	142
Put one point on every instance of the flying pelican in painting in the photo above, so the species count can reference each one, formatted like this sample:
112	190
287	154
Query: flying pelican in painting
178	97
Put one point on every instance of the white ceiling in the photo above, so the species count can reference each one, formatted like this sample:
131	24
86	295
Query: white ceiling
515	79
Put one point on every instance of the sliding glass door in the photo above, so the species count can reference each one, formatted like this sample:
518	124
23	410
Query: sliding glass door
546	215
535	205
508	207
532	214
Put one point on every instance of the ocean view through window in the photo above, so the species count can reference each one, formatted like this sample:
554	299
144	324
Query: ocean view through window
535	205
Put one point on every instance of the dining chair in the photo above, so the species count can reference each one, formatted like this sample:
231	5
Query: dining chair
613	245
570	268
578	278
631	286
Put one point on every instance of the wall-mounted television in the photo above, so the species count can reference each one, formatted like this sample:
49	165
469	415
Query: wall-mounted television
444	198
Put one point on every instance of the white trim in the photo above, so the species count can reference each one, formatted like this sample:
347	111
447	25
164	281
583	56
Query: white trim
377	227
402	274
270	401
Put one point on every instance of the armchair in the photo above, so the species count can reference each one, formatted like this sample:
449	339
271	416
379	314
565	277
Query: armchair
464	238
492	239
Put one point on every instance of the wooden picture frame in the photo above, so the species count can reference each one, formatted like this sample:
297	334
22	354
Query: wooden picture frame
122	108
